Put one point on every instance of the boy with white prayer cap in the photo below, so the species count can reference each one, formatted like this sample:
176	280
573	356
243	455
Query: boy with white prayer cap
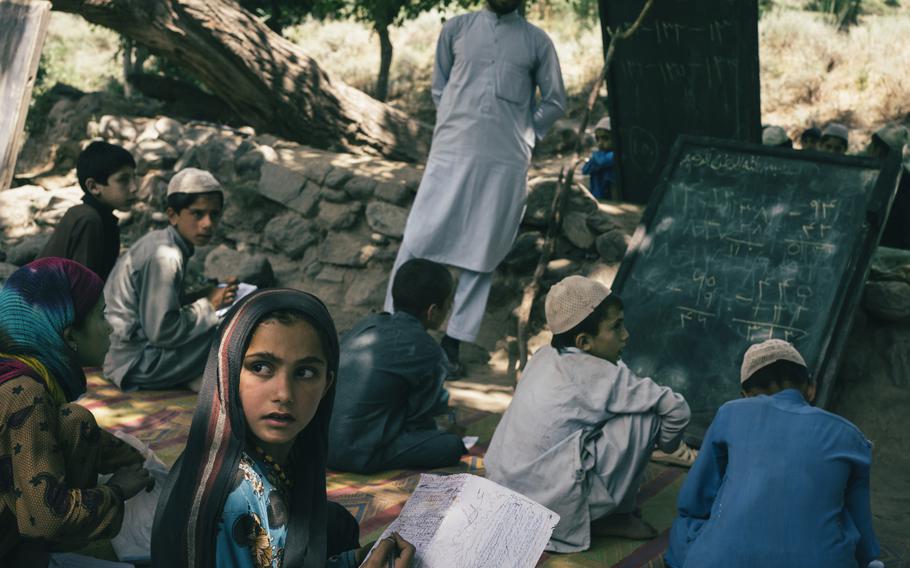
161	341
777	482
579	431
601	164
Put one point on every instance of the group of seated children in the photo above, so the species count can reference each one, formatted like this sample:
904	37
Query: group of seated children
777	482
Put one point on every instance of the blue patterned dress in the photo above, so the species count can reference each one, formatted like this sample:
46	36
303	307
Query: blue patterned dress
253	527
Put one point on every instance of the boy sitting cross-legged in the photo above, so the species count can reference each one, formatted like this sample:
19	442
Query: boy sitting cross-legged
778	482
160	340
581	426
390	381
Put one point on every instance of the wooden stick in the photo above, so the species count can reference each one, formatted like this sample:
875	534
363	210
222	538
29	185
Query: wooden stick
566	178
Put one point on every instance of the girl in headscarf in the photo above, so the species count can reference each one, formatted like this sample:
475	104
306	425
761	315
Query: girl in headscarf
52	450
249	489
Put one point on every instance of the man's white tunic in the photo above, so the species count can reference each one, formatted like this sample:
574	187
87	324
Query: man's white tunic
473	192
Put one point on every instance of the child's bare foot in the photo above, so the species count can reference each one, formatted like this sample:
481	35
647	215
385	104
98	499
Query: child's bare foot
623	525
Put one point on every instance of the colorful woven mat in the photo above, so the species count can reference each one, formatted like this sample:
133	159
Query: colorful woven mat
162	420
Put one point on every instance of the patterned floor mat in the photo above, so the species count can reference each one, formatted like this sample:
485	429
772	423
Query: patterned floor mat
162	420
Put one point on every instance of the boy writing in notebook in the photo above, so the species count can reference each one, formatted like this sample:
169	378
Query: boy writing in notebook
160	341
581	426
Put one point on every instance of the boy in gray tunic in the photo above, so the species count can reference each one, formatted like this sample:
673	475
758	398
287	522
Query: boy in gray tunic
390	381
159	340
581	426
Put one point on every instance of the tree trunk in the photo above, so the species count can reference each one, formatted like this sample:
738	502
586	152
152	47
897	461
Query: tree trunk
126	45
385	62
264	78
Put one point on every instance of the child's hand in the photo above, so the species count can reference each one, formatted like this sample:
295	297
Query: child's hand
131	480
392	551
224	295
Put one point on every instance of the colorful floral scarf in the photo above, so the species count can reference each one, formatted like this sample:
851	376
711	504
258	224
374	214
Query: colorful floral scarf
37	303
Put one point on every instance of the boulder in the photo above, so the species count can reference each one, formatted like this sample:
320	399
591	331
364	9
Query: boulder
169	129
153	188
224	262
393	192
334	195
612	245
339	215
540	199
360	187
289	188
386	218
155	155
291	234
17	207
337	177
252	160
27	249
600	222
331	274
345	249
117	127
575	228
888	300
368	288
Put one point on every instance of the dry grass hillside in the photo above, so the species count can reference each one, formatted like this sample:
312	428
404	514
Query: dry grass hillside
810	73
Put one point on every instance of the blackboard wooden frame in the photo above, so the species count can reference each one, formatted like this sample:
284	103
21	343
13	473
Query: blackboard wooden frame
849	292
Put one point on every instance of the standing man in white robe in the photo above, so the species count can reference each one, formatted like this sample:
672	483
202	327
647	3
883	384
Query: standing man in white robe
489	65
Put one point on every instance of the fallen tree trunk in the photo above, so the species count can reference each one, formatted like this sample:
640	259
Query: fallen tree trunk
263	77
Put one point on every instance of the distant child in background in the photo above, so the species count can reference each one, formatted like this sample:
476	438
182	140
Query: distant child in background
159	341
777	482
835	138
88	233
775	136
579	431
810	139
249	490
390	384
600	165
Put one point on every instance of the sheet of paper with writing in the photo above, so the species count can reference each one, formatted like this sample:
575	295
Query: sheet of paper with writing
471	522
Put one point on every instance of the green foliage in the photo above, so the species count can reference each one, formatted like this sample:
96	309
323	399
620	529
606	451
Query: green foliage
281	14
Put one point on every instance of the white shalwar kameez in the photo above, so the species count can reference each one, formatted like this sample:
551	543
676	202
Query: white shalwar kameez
577	436
473	192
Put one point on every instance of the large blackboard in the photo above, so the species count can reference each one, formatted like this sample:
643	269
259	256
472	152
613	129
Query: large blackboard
692	68
741	243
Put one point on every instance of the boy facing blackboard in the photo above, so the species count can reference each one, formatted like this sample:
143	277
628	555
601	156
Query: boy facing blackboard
777	482
581	426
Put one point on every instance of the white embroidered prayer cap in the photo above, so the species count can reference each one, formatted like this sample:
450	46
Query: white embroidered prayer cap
603	124
193	180
571	300
763	354
836	130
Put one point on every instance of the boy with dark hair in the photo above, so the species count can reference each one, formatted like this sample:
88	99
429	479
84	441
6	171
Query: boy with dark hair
579	431
777	482
810	139
88	233
390	381
161	341
835	138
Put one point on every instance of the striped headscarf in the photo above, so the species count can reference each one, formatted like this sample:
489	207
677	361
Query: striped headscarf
37	303
191	503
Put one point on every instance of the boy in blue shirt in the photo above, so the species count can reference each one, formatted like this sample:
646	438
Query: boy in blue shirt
777	482
600	166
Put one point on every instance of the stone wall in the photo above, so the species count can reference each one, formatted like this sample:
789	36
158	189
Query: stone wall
295	216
